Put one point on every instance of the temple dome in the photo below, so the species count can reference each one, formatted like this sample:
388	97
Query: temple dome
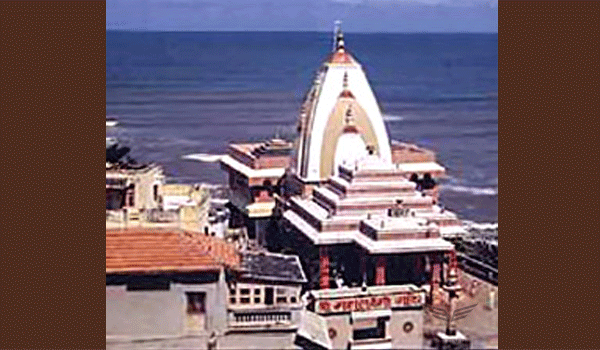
351	148
340	85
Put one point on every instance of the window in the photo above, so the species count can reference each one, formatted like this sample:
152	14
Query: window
130	194
232	300
195	302
269	296
155	191
280	291
257	291
245	300
245	291
232	291
256	300
292	299
281	300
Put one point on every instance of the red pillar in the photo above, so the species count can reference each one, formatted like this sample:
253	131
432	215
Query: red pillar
324	268
435	275
435	270
453	266
380	271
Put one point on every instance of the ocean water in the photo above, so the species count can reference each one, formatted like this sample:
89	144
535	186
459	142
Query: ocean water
176	94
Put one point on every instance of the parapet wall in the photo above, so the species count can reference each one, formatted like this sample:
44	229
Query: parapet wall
409	153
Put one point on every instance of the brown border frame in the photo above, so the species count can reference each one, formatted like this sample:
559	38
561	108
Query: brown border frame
548	122
52	103
52	98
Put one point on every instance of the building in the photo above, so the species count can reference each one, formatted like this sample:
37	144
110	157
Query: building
264	294
175	289
133	187
340	122
137	196
255	171
363	215
385	317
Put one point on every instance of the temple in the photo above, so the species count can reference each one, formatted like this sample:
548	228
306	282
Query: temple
360	211
340	124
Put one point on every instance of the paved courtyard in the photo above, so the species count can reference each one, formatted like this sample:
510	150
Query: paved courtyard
481	325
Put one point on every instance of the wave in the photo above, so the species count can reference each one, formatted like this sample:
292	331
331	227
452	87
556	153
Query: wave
203	157
480	226
467	97
476	191
161	143
392	118
417	101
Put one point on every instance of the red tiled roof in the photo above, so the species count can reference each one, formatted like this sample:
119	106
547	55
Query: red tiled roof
153	251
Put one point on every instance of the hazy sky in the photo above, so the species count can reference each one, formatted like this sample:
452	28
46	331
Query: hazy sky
304	15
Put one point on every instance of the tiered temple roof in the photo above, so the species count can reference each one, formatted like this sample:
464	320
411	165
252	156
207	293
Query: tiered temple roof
375	207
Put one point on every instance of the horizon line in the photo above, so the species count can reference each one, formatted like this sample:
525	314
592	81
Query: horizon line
287	31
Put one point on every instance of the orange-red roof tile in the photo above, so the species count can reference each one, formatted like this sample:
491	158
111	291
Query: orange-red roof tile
154	251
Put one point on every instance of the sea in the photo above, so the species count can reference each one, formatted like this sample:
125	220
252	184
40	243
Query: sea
181	93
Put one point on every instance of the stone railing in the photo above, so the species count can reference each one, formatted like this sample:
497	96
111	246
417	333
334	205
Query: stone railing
115	216
260	318
157	216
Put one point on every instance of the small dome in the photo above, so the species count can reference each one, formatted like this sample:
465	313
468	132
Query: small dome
350	149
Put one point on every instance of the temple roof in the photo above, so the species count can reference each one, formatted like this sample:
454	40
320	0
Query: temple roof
341	83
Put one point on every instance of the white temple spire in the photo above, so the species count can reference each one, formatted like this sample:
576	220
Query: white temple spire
328	135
